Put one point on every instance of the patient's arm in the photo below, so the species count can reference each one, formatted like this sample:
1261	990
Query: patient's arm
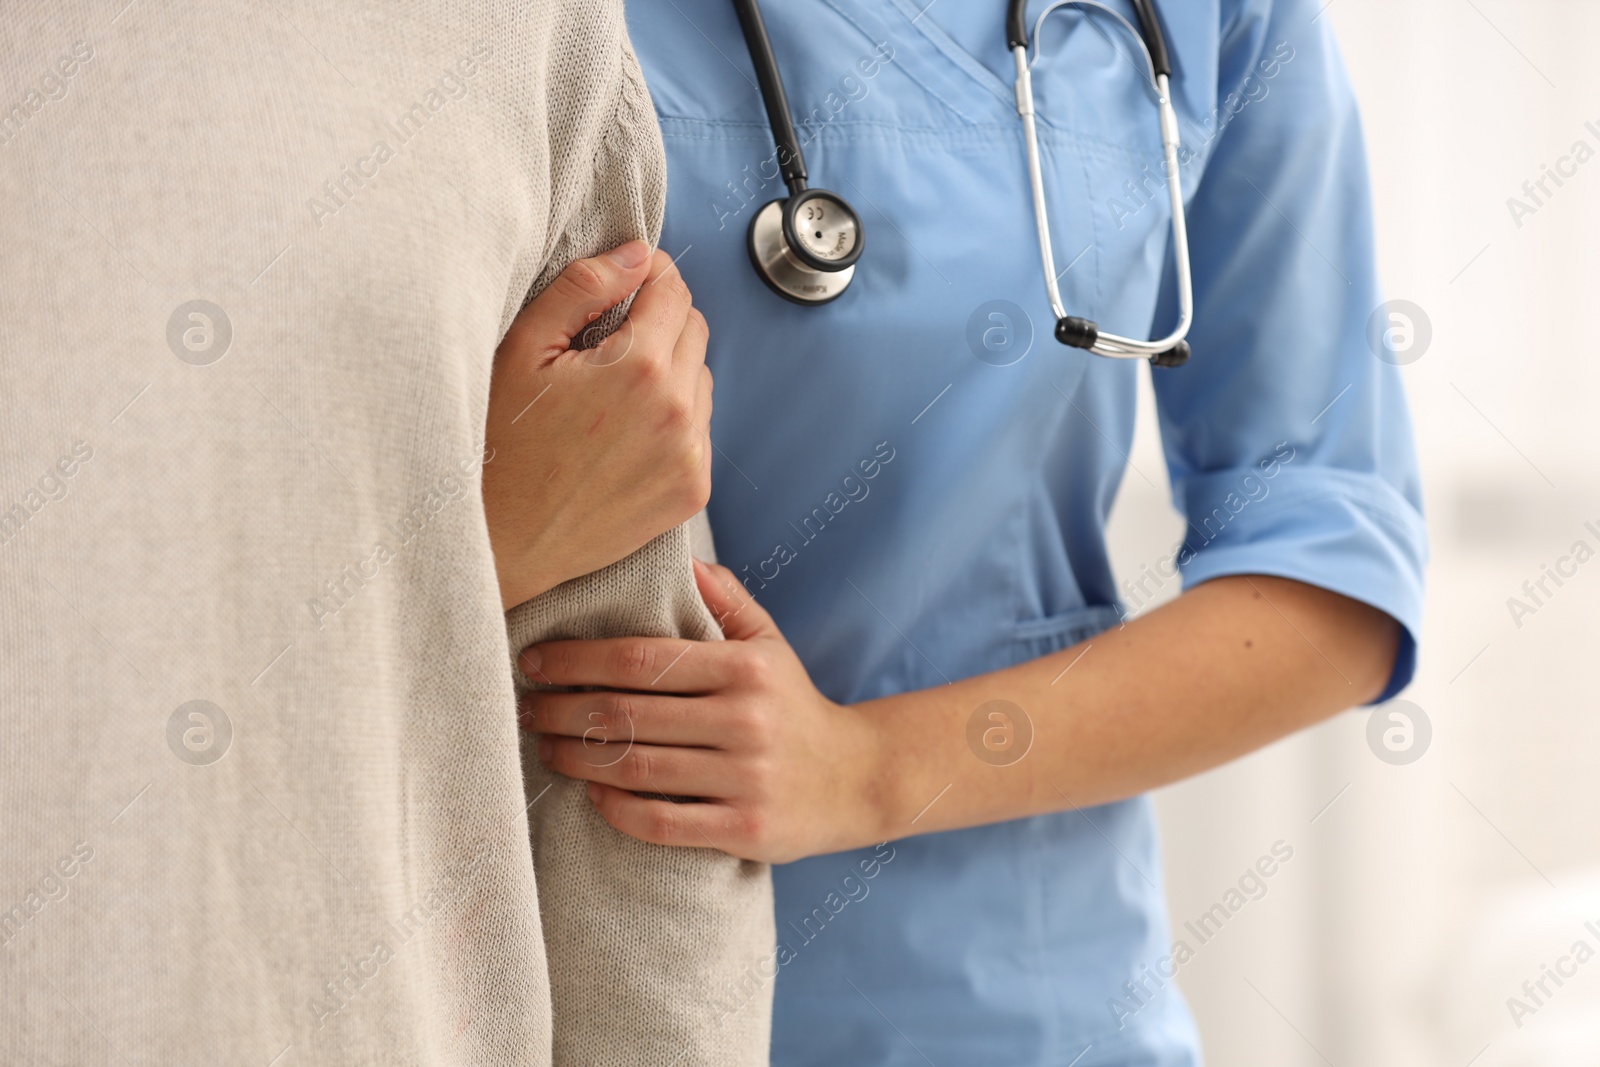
657	955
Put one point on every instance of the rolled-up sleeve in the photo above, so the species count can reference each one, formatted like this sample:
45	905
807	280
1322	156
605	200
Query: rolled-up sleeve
1288	440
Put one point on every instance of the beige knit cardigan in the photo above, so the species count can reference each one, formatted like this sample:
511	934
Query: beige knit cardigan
259	769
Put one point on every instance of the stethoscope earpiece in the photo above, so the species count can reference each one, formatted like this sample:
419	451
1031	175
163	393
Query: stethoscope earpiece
1176	356
1081	333
805	246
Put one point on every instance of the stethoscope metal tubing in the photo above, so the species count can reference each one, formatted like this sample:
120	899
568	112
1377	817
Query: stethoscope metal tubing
1077	331
1041	211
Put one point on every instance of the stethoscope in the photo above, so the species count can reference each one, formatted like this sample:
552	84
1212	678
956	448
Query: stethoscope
805	246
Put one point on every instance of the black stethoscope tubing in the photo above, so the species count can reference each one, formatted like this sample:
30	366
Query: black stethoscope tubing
805	246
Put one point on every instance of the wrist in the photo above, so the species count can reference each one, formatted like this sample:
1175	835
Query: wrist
879	799
526	576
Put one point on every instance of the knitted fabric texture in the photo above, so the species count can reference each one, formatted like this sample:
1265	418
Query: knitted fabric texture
261	771
652	950
659	951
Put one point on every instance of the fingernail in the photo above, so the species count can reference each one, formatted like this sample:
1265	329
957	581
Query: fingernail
531	660
547	748
525	713
629	255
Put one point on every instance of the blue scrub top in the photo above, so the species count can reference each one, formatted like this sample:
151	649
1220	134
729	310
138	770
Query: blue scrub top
915	478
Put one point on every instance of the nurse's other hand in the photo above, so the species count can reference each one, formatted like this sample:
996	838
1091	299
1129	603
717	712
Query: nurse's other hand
783	771
595	452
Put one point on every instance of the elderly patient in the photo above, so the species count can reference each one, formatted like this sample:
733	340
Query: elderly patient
259	759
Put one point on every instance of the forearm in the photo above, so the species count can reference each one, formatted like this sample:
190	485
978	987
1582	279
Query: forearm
785	772
658	936
1229	666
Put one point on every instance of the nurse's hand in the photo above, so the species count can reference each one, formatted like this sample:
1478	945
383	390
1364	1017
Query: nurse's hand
595	452
784	772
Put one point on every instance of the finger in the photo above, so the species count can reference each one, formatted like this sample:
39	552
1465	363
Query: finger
662	664
737	612
613	718
587	289
661	822
690	351
688	374
679	772
703	401
661	310
702	425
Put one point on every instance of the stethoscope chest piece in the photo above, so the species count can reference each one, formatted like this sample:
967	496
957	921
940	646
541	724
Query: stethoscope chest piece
805	246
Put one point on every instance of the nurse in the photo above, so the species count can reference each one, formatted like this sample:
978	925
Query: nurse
930	711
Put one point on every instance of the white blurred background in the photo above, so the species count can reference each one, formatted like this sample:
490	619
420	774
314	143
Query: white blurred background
1423	896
